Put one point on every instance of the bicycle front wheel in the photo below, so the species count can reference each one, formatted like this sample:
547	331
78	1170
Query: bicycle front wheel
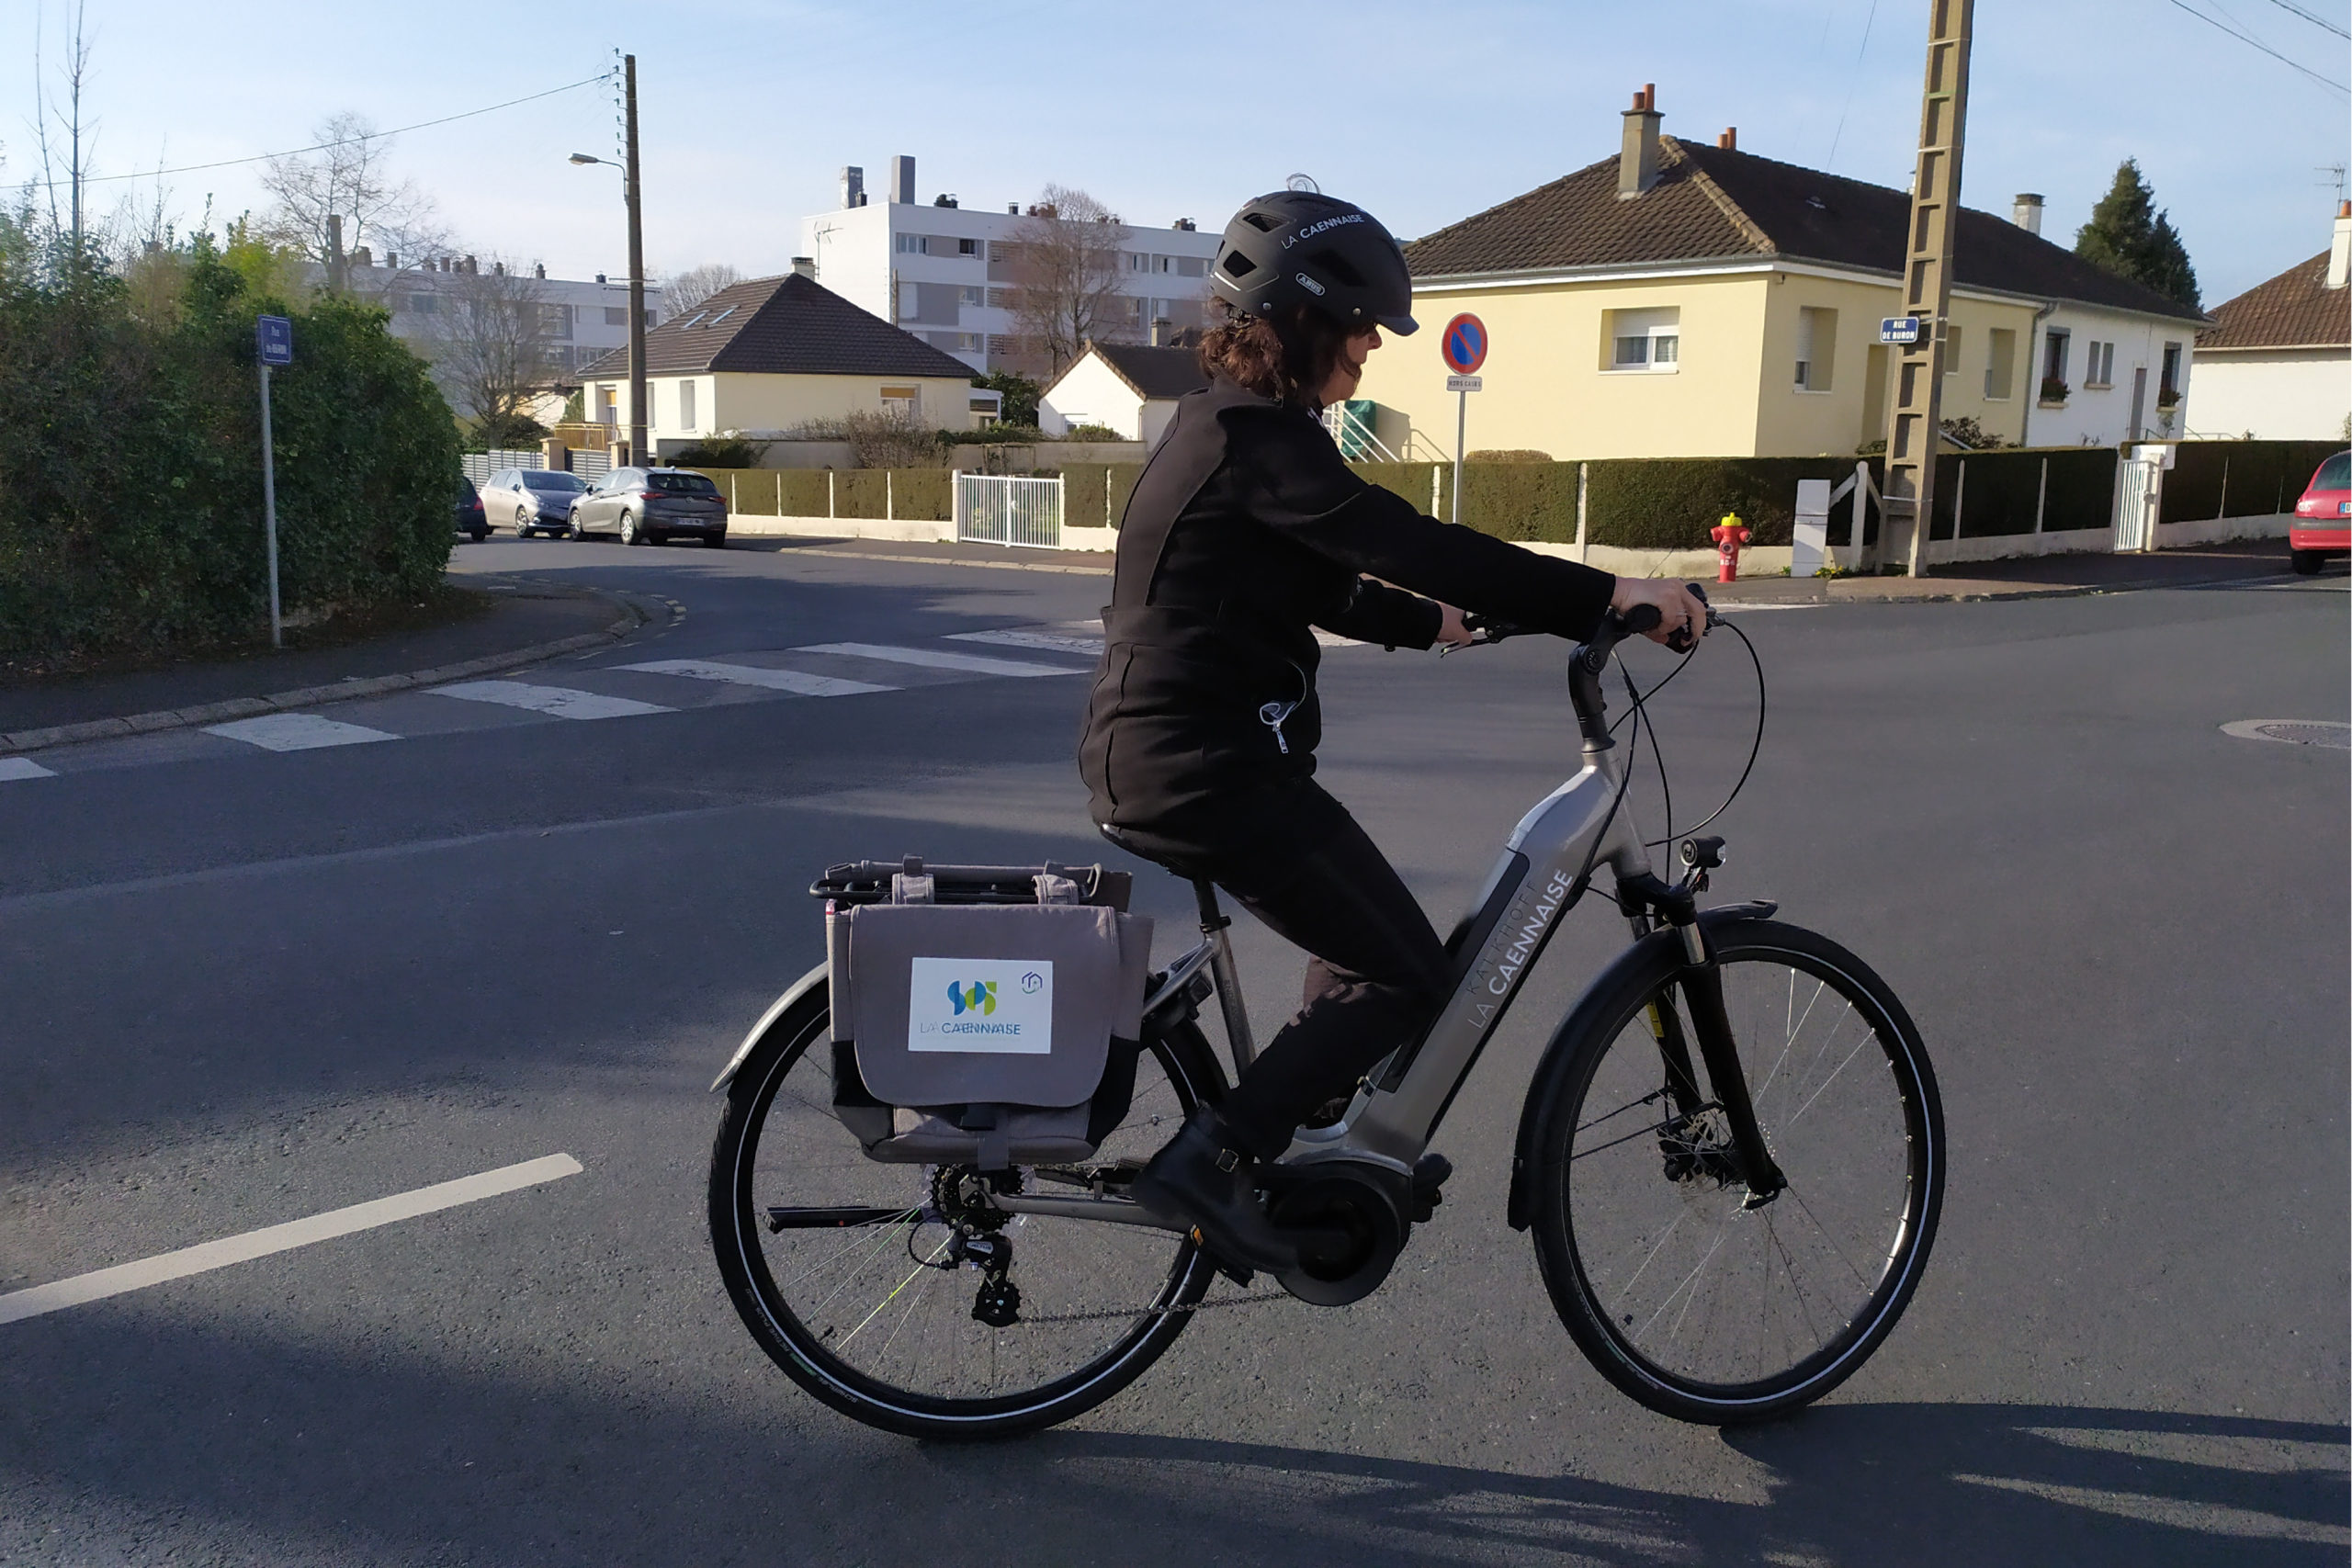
1687	1298
863	1293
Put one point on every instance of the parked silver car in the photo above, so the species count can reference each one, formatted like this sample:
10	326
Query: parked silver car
537	501
649	506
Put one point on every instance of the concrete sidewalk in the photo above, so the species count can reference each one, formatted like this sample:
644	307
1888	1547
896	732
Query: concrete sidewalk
2026	578
525	621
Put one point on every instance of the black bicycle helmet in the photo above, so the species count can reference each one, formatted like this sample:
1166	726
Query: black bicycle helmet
1295	247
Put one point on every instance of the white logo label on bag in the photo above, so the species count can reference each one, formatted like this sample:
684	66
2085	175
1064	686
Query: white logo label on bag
993	1006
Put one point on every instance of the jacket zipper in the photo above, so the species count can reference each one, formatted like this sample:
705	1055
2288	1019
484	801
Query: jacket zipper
1273	716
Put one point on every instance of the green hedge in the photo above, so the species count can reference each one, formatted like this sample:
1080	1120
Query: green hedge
1657	504
913	494
130	507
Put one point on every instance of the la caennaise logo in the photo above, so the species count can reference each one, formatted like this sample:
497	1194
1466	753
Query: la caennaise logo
1003	1006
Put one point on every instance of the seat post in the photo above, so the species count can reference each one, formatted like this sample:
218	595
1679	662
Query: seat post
1216	928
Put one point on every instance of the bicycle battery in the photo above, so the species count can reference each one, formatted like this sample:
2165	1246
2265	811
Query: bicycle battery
983	1015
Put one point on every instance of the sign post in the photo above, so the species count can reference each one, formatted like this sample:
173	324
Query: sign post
273	344
1464	345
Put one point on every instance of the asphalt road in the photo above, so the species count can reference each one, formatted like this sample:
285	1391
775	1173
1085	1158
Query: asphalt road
243	986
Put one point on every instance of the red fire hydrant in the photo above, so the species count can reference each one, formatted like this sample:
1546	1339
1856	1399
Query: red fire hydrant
1730	535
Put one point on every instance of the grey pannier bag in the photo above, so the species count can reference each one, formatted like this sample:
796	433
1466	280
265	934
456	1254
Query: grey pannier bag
983	1015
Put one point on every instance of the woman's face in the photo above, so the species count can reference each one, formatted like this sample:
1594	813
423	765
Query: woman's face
1347	374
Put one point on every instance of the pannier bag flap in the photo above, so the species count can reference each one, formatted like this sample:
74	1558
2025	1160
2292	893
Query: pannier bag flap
1014	1005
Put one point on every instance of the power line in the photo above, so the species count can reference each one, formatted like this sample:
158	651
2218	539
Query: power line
2256	43
2316	21
1852	78
323	146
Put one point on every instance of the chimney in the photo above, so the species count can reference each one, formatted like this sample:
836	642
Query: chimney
1637	164
1163	332
473	266
392	260
902	180
362	256
805	266
2025	211
1729	139
538	269
2339	248
852	185
1012	209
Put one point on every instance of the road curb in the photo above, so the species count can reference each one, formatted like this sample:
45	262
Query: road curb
632	616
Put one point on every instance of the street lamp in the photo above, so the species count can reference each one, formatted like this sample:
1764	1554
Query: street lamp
636	420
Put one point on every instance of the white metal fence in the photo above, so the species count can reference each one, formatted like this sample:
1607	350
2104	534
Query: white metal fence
589	465
992	509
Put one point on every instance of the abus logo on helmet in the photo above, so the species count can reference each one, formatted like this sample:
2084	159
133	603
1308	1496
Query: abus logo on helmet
1308	284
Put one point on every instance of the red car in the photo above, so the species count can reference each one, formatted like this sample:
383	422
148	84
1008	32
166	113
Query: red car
2323	524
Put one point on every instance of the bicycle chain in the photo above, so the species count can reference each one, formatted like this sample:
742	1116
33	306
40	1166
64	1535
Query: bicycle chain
1111	1314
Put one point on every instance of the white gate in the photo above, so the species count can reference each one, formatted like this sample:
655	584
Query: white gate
2139	490
992	509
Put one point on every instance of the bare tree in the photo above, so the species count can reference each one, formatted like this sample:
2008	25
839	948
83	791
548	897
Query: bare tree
347	176
1065	275
489	342
681	292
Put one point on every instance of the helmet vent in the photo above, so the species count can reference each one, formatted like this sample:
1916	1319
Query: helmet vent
1260	222
1234	264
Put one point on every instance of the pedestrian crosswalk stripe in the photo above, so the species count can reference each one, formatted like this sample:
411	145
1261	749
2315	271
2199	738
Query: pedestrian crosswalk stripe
1052	642
23	768
295	732
558	702
932	658
793	680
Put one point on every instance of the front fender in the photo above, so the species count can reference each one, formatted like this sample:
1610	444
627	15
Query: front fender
1660	948
777	1010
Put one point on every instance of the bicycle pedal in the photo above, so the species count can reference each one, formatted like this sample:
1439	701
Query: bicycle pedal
1429	1173
1239	1273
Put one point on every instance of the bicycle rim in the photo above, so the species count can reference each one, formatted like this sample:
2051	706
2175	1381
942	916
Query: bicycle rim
1695	1304
876	1320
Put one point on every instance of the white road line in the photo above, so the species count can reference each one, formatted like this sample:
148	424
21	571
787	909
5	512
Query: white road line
558	702
210	1255
931	659
807	685
24	768
295	732
1052	642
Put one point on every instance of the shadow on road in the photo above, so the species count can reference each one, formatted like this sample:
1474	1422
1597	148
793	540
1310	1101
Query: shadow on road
125	1433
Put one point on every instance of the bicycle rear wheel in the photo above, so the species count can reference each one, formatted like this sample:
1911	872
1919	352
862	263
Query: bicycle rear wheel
1695	1305
861	1297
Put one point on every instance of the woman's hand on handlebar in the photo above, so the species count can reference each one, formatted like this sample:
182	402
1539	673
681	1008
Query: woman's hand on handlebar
1682	614
1453	630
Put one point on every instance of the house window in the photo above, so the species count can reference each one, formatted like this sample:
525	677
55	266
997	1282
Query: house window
685	405
1644	340
902	402
2053	364
907	245
1139	262
2000	363
2099	364
616	315
1816	349
967	247
607	405
1192	266
1952	350
971	297
2168	380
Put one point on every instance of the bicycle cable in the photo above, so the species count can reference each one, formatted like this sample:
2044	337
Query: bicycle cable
1756	744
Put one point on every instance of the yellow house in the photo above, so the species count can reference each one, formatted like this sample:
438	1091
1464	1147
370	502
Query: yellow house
1681	300
764	357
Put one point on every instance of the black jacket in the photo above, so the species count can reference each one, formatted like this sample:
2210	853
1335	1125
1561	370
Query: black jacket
1246	532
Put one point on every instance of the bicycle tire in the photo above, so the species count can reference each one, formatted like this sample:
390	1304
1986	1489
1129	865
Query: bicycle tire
784	1327
1608	1202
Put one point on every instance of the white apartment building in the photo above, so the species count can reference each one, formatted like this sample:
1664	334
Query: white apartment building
944	271
585	318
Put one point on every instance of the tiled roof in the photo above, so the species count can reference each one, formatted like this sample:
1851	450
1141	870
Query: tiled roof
1714	204
788	325
2294	310
1154	372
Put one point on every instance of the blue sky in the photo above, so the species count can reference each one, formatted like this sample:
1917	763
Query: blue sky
1424	113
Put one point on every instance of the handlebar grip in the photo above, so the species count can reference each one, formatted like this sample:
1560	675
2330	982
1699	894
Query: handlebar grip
1641	618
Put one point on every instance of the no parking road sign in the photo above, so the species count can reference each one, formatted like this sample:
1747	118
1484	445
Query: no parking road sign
1463	345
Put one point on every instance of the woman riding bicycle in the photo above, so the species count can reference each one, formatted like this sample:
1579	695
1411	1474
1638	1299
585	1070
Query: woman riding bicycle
1246	532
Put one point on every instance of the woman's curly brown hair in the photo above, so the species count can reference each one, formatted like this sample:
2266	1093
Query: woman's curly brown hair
1288	358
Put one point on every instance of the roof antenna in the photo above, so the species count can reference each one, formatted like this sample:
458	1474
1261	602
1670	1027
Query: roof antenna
1303	183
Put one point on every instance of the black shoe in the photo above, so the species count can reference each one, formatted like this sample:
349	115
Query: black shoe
1201	1176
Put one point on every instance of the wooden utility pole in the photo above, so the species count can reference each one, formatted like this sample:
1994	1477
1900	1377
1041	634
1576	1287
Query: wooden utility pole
1915	424
638	420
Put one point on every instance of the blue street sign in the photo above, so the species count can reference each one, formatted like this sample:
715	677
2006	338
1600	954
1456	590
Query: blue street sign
274	338
1898	329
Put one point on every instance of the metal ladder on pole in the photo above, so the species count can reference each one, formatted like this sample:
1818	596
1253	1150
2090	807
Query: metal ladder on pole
1915	425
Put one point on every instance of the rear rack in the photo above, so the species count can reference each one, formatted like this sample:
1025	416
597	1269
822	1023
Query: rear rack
868	882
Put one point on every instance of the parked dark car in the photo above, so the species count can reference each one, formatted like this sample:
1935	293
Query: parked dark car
537	501
2323	524
471	522
650	505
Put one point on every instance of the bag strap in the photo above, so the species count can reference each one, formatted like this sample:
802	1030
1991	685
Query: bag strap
911	884
1054	886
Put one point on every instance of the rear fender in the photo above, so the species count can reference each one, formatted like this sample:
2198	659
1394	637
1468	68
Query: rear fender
1660	947
777	1010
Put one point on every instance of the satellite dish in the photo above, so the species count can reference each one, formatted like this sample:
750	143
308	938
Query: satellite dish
1302	181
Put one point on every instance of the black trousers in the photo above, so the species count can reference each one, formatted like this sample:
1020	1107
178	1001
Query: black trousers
1376	973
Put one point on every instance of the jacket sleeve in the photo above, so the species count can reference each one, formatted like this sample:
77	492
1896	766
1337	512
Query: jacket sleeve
1377	612
1302	490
